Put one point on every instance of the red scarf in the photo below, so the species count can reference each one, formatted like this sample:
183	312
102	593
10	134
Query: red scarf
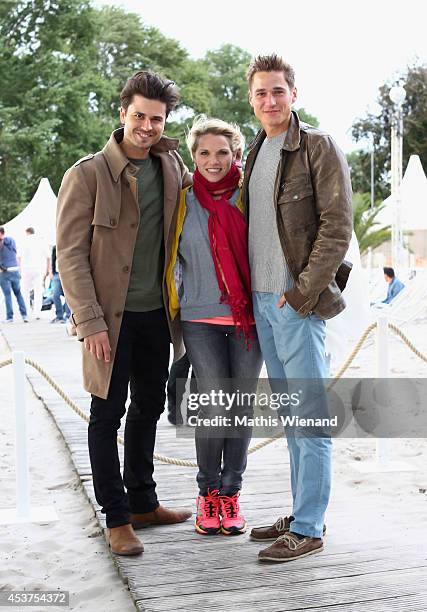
228	237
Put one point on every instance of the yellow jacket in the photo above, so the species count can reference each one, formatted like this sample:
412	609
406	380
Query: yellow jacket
170	280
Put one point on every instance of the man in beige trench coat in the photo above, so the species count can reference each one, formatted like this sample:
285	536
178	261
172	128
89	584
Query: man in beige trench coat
115	224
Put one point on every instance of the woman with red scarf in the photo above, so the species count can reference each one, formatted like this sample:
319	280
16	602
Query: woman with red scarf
209	285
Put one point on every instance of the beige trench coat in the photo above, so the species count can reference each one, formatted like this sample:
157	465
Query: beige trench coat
97	225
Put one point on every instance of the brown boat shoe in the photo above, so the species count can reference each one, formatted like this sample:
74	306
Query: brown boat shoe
289	547
160	516
123	541
272	532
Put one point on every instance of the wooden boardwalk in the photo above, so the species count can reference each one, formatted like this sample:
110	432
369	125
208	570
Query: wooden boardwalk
375	556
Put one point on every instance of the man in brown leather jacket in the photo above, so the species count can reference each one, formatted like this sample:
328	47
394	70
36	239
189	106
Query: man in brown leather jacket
297	194
115	223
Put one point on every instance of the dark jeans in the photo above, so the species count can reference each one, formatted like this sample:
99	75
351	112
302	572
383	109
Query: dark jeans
216	353
175	392
11	281
60	309
141	359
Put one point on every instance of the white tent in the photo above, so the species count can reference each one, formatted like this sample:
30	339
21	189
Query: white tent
344	330
414	199
40	214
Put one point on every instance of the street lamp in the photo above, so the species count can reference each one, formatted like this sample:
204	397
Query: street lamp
374	110
397	96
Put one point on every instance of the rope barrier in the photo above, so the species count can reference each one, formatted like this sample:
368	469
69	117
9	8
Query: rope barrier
408	342
84	416
353	353
256	447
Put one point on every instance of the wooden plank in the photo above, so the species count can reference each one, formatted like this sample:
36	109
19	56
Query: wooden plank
369	563
247	575
411	603
284	597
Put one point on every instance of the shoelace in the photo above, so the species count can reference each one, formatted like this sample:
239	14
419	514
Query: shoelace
290	541
211	503
282	524
230	505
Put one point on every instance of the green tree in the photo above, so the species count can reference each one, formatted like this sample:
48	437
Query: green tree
227	67
365	223
360	168
43	50
307	117
376	131
62	66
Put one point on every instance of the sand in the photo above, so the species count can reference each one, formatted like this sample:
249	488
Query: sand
69	554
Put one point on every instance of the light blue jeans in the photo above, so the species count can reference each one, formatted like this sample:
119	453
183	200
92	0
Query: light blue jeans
293	347
11	281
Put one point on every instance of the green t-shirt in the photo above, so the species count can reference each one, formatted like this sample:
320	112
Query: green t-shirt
145	284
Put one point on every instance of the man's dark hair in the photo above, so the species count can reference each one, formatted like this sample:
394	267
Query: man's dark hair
270	63
152	86
389	272
1	230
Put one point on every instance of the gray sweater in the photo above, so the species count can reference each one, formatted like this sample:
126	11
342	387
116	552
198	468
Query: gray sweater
199	294
269	271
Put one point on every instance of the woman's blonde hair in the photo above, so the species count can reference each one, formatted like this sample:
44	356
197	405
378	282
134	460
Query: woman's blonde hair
208	125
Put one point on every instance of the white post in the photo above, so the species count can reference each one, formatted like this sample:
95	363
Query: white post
382	347
22	478
383	444
383	463
397	96
24	512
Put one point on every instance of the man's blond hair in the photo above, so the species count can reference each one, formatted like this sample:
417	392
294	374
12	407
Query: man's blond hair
270	63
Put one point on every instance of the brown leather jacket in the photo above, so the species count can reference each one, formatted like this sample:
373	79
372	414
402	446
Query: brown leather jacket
313	201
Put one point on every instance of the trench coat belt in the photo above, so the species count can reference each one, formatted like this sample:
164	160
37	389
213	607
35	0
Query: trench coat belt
87	314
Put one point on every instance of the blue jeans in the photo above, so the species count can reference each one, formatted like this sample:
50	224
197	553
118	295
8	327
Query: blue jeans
60	309
10	281
293	347
216	353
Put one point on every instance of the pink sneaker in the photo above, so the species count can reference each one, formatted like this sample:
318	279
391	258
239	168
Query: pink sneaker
207	519
233	521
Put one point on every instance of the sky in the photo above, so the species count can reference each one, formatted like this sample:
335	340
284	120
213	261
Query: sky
342	51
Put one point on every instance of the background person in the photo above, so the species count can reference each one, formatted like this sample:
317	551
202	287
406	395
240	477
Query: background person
175	392
35	263
10	277
62	311
395	286
209	281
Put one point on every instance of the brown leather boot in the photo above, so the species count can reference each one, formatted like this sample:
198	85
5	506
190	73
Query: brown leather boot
123	541
160	516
